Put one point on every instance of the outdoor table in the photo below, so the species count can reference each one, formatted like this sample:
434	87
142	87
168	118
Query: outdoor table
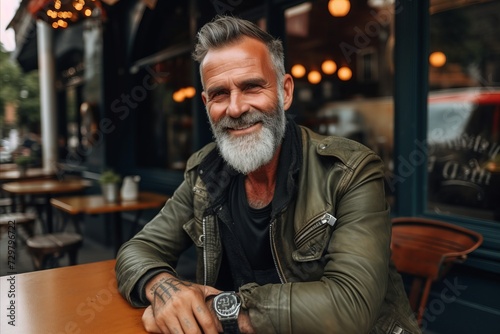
7	166
31	173
46	188
10	174
95	204
75	299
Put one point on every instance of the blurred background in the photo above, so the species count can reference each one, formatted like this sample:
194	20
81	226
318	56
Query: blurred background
92	85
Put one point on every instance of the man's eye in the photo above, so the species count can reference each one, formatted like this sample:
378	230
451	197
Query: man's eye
252	87
218	93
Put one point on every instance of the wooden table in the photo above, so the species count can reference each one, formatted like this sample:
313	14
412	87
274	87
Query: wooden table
7	166
31	173
46	188
76	299
95	204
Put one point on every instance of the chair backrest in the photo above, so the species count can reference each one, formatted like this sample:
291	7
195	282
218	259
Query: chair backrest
424	247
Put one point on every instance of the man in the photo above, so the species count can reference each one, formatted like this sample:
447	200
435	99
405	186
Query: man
293	222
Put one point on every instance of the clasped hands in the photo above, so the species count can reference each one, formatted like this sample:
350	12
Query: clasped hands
183	307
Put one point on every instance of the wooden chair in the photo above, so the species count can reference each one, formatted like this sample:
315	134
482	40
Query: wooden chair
5	204
10	222
50	247
426	249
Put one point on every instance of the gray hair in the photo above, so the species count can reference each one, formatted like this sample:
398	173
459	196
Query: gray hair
225	30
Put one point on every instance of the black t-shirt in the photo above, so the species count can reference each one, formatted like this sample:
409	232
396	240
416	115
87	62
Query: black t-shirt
251	229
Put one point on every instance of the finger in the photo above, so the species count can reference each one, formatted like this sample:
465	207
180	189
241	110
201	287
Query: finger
182	322
196	319
149	322
179	318
204	318
209	291
173	326
190	325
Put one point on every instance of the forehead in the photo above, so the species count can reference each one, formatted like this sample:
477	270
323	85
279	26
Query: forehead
246	54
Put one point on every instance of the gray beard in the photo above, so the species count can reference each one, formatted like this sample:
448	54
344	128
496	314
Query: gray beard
250	152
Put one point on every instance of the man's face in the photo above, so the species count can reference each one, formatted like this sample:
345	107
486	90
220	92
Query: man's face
245	103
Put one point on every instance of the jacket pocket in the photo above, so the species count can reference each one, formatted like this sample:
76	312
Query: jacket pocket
313	238
194	228
200	199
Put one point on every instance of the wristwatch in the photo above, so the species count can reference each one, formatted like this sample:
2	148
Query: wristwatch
227	307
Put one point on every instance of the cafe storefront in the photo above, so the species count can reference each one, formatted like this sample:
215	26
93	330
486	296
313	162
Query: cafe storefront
416	81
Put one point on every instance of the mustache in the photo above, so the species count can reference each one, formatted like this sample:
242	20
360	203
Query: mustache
245	120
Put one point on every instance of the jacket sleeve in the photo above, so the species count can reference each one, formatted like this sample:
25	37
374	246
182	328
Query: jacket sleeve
349	295
158	245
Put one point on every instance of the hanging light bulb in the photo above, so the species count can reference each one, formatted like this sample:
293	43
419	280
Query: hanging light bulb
189	91
344	73
178	96
339	8
314	77
437	59
298	71
329	67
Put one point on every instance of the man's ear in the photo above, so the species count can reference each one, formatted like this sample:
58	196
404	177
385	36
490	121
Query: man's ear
204	97
288	86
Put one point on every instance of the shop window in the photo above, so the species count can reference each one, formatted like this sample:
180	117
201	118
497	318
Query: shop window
165	128
343	70
464	109
164	124
367	65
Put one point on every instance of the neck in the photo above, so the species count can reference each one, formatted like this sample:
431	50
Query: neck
260	184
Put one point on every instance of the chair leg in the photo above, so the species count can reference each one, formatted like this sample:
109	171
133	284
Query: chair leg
51	262
72	254
38	261
29	229
415	293
423	301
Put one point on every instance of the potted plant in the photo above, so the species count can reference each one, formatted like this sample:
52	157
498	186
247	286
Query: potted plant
23	162
110	181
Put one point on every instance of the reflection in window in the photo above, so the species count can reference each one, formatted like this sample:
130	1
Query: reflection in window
367	65
343	72
166	128
464	109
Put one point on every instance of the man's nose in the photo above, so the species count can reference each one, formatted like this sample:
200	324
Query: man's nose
237	105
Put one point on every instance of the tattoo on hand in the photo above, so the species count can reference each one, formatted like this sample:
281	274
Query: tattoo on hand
165	288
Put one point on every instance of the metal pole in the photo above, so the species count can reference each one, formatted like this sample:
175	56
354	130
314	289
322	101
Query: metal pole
48	104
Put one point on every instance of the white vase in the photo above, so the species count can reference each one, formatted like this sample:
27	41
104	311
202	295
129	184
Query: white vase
130	188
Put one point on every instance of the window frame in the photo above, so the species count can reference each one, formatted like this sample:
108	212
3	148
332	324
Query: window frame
410	105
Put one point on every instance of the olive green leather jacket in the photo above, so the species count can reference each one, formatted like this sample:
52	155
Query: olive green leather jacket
335	279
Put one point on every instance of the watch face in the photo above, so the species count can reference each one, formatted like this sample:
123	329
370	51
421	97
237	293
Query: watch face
226	304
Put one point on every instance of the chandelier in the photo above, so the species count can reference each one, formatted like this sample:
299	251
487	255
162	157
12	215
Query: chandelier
59	14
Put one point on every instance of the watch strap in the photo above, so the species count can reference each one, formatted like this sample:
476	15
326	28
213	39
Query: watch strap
230	326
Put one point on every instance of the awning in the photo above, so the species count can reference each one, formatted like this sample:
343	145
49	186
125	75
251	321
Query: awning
36	5
66	41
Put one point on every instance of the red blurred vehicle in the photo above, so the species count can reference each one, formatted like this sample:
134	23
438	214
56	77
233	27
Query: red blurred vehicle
463	141
464	147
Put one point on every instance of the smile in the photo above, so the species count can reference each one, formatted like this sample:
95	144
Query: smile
243	129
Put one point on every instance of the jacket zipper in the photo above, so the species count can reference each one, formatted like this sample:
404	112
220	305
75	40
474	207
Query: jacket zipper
273	252
321	220
205	270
